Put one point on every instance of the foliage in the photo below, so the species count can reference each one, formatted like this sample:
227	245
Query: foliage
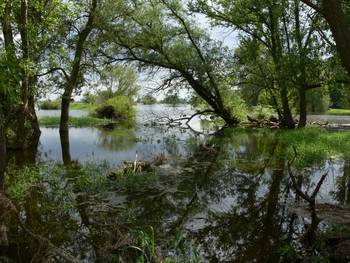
262	112
173	99
49	105
146	244
118	108
131	180
277	60
160	35
319	101
9	77
235	104
117	81
24	179
148	100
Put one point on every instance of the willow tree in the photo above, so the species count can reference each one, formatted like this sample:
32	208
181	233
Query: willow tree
14	21
283	54
28	30
161	35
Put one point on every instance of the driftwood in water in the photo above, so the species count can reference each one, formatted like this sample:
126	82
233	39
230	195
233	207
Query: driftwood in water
271	122
138	166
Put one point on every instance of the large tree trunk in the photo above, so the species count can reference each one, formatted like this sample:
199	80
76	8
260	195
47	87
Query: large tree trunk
302	108
214	102
340	27
228	118
64	114
287	121
337	20
33	119
302	67
25	125
65	147
277	54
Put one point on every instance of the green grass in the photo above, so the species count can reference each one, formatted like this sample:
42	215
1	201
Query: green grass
80	106
338	112
50	121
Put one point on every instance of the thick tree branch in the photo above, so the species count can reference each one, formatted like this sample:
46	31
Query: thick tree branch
54	70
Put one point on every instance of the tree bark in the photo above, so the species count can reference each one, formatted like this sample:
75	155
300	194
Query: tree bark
64	114
276	53
302	67
287	121
340	27
25	125
214	102
65	147
302	108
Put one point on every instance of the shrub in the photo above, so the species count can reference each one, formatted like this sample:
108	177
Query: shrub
262	112
235	104
49	105
117	108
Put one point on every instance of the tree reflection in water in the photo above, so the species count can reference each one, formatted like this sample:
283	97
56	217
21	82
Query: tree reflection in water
119	139
230	197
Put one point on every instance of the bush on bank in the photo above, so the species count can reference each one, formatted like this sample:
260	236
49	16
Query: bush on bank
117	108
49	105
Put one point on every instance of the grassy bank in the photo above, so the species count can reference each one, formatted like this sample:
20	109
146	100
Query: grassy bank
338	112
56	105
80	106
87	121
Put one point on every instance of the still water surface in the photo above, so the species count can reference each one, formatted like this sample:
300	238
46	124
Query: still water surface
222	198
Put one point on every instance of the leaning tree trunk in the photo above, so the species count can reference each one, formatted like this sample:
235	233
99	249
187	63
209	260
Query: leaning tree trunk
73	79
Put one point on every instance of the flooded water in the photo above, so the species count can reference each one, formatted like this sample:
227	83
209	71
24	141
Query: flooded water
228	197
117	145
